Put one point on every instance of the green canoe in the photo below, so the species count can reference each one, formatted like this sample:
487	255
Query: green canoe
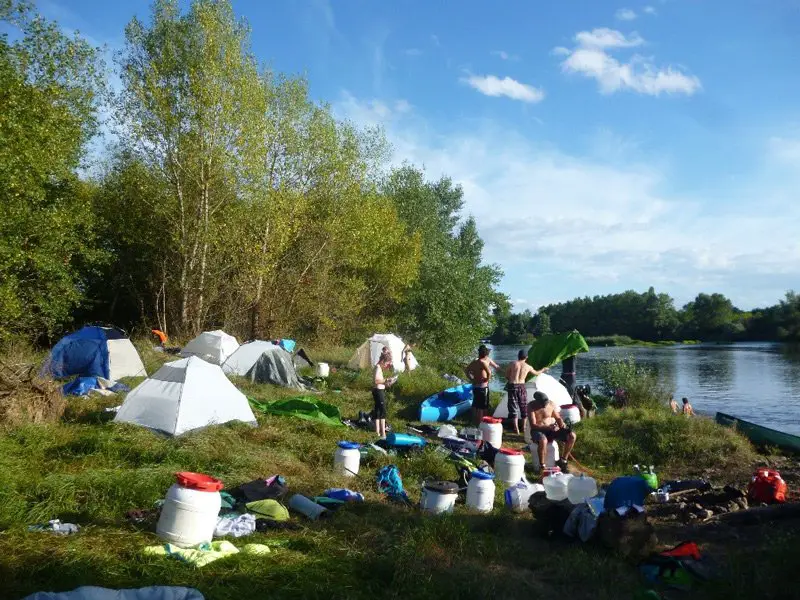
760	435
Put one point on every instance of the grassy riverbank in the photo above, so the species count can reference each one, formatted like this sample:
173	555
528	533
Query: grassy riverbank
624	340
87	470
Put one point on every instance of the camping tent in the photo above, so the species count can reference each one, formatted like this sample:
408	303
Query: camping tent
276	367
183	395
94	352
542	383
245	356
369	352
212	346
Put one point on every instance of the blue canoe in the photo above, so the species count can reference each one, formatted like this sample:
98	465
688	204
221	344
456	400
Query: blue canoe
446	405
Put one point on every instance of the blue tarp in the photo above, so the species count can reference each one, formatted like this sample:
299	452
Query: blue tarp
96	593
83	352
287	345
81	386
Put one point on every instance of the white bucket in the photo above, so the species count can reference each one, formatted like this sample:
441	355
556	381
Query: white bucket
437	501
550	457
518	495
347	459
492	432
188	517
322	369
480	492
509	466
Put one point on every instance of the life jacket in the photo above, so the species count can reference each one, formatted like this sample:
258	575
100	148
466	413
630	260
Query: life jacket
767	486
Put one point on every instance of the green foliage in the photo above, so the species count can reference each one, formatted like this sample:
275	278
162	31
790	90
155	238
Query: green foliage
49	93
641	384
618	439
448	306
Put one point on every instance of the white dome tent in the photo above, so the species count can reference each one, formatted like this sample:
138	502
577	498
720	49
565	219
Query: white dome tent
548	384
246	356
184	395
369	352
212	346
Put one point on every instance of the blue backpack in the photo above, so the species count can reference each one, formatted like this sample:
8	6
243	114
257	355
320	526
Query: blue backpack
390	483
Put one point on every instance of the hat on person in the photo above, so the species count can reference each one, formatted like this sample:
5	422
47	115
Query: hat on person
541	397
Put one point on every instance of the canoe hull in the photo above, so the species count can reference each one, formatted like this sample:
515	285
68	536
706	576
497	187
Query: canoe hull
760	435
446	405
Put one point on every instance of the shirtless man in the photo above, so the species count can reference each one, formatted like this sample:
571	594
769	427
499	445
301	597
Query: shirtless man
687	408
516	374
546	426
479	372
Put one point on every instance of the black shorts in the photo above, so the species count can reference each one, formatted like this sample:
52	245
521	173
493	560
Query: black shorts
560	436
480	398
379	396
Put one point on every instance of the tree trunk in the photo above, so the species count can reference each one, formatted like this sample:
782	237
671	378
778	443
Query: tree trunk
255	311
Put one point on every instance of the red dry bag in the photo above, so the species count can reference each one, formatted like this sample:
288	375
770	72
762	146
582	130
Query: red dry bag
767	486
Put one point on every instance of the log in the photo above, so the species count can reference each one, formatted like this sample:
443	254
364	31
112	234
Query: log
762	514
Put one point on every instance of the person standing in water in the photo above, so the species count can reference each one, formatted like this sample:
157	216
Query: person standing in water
516	374
673	405
479	372
687	411
379	385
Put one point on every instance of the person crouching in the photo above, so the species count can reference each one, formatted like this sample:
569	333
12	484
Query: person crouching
547	426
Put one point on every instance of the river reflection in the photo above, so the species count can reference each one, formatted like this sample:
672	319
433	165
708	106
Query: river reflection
759	382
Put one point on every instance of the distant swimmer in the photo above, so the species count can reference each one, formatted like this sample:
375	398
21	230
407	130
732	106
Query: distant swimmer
688	411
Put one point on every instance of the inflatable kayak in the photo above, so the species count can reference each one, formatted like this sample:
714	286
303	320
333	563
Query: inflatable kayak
446	405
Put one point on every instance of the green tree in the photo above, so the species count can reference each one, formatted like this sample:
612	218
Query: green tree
50	89
449	307
788	317
711	317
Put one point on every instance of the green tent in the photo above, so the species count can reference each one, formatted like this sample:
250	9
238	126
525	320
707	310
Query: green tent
302	407
549	350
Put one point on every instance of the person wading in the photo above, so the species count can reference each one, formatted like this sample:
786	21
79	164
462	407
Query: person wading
516	374
479	372
380	383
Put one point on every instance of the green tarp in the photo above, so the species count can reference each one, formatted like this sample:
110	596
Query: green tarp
549	350
302	407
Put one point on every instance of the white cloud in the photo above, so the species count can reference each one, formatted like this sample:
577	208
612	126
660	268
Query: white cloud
785	150
503	55
563	225
491	85
412	52
591	59
650	10
625	14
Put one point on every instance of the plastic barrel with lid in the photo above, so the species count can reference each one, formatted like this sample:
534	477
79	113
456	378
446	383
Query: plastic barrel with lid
438	497
480	491
509	465
189	514
492	430
347	458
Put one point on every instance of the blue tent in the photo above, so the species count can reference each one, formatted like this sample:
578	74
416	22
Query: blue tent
84	352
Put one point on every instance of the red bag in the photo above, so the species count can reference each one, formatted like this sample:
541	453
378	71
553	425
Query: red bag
767	486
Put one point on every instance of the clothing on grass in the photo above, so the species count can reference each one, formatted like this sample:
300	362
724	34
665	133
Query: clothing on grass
344	495
56	526
238	526
201	555
390	483
581	523
261	489
90	592
517	401
272	509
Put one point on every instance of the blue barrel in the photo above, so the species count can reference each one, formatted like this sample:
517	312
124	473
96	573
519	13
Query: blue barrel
404	440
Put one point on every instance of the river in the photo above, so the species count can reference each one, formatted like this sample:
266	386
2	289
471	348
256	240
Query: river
759	382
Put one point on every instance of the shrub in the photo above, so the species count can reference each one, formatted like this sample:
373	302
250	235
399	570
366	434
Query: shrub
640	384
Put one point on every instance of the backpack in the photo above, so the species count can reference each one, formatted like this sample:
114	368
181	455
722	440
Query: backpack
767	486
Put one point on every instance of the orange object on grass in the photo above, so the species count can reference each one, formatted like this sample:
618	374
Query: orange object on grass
160	335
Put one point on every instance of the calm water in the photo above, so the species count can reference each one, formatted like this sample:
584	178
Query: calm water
759	382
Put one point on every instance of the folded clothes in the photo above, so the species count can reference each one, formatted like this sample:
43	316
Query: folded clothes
201	555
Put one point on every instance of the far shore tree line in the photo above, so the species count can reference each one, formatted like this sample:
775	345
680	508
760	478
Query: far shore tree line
651	317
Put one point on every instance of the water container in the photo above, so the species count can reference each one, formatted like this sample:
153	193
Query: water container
347	459
570	413
323	370
307	507
580	488
480	491
401	440
438	497
189	514
492	430
509	466
517	495
550	457
555	486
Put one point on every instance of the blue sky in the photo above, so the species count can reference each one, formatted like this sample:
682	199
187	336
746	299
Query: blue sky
602	145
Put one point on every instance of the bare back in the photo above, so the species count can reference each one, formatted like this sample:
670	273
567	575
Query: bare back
518	372
480	372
